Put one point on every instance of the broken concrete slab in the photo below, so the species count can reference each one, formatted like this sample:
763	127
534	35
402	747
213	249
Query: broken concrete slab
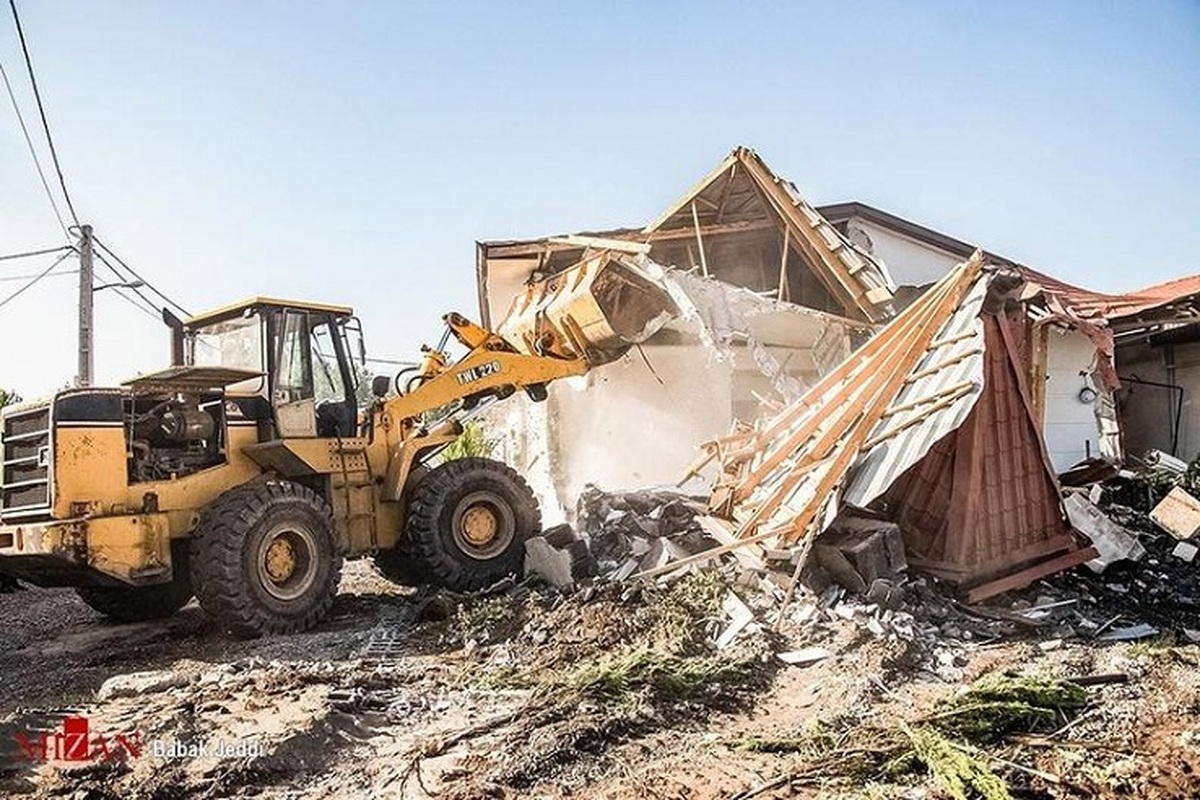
804	657
1185	551
857	552
1112	542
548	563
740	616
1142	630
1178	514
138	683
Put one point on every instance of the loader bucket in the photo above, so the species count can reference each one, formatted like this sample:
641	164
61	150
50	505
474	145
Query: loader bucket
596	309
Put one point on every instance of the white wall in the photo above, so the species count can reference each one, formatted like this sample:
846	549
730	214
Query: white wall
909	262
1070	424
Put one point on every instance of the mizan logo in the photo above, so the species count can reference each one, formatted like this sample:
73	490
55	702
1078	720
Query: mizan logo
478	373
76	743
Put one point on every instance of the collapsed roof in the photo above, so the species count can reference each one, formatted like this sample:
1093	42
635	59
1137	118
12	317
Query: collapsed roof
742	194
741	224
929	424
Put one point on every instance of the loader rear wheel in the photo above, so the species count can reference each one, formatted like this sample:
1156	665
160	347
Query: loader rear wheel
138	603
265	560
468	521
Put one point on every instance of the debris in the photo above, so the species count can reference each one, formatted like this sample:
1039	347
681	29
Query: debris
1111	541
1142	630
1157	459
661	553
548	563
740	616
139	683
1185	551
622	528
804	657
857	552
722	531
1178	514
903	426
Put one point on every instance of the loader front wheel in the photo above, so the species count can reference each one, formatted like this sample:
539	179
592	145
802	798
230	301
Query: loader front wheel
468	521
138	603
264	559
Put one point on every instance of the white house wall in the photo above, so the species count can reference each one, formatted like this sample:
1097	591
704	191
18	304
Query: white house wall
1071	429
909	262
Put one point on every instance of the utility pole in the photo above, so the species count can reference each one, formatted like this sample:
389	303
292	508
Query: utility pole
86	287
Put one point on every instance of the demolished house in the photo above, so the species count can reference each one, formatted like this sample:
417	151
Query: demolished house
771	297
820	383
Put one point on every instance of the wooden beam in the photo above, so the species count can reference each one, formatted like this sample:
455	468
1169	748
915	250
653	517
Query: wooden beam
699	240
682	203
725	193
887	346
1028	576
671	234
783	281
601	243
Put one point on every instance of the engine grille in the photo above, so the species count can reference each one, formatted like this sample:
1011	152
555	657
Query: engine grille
26	469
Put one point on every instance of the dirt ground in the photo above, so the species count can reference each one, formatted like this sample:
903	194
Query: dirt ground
409	694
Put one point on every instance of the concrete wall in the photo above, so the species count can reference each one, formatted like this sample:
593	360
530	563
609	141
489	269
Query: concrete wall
1147	412
910	263
1071	431
618	427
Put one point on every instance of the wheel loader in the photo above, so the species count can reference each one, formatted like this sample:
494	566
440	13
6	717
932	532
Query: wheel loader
247	471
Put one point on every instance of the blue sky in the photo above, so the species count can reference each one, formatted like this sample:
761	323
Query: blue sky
354	152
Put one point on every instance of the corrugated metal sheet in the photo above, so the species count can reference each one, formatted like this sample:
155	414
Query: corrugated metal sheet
933	405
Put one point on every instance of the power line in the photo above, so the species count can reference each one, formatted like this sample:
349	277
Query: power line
121	293
50	275
136	290
134	273
37	95
35	279
37	162
45	252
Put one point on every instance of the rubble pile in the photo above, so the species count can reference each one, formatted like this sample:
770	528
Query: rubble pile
1161	589
637	531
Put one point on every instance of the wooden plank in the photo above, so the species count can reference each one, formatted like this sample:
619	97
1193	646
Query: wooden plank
949	362
920	401
1028	576
601	243
699	187
725	192
722	531
950	296
783	259
706	555
1178	514
699	241
751	226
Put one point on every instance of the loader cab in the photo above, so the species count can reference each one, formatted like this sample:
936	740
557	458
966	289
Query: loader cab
305	357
